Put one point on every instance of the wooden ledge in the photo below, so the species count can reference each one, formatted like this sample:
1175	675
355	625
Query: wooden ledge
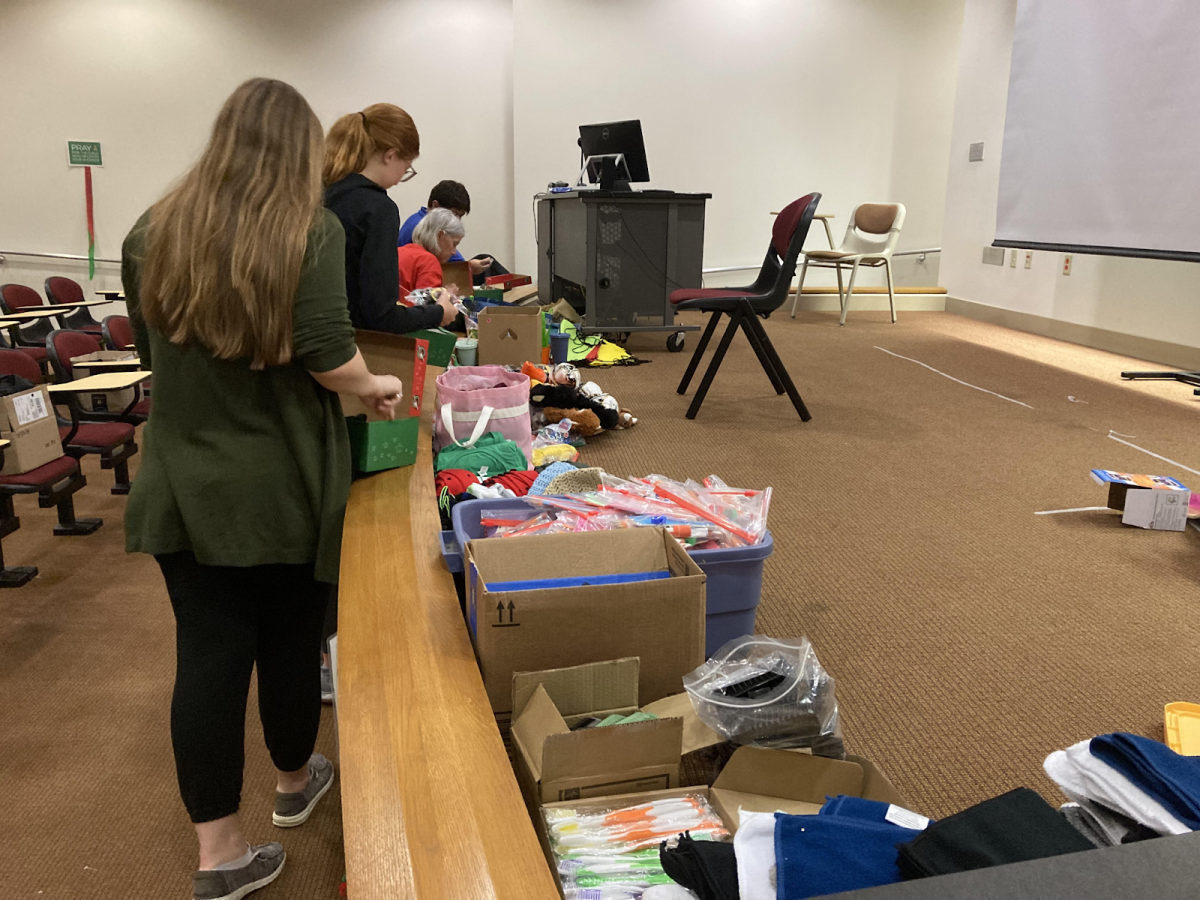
430	805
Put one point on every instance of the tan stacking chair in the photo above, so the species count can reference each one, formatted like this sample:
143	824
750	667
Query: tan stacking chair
871	237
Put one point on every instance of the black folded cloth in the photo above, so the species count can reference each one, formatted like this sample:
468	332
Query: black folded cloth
707	868
1013	827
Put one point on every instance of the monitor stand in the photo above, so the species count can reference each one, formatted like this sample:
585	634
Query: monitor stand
611	169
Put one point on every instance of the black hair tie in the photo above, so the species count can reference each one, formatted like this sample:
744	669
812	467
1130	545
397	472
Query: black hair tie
364	118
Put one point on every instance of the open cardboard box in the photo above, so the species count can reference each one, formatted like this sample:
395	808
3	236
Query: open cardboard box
758	781
768	781
660	621
377	443
554	763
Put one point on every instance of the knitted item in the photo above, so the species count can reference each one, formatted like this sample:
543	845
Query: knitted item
578	482
517	482
548	474
456	481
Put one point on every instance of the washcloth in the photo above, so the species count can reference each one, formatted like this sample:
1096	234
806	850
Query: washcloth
817	855
1167	776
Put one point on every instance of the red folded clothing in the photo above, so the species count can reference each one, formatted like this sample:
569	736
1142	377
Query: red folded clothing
456	480
517	482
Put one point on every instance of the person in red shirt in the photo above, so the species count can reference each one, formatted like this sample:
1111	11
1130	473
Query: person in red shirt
434	241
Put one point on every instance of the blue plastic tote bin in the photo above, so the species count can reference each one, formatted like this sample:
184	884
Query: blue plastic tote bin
733	588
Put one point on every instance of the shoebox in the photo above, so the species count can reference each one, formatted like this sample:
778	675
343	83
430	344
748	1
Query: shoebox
1156	502
31	429
510	335
377	443
104	401
552	601
441	344
555	763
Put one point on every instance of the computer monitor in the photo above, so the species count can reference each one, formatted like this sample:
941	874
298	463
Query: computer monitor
614	154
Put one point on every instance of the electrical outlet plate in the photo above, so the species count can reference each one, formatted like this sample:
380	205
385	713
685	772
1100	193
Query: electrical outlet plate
975	154
1067	264
1012	259
1029	259
993	256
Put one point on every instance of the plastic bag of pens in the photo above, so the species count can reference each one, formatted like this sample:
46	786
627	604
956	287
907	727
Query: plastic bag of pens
613	852
769	693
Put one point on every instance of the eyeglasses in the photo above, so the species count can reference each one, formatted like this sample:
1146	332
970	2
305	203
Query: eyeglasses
408	175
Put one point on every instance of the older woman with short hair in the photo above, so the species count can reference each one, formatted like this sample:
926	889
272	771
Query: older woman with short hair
434	241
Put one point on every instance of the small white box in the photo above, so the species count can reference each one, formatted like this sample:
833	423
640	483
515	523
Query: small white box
1157	509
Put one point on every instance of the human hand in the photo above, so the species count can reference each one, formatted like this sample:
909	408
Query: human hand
449	310
386	393
479	266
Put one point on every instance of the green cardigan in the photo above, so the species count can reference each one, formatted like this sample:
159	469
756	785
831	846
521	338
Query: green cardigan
245	467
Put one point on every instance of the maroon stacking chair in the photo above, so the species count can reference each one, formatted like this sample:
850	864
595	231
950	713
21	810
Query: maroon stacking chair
64	290
117	331
113	442
62	347
745	305
29	339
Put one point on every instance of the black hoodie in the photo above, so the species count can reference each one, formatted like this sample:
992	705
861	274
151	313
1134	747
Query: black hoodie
372	224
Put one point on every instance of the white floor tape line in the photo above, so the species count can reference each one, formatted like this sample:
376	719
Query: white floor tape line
1054	512
1114	437
952	378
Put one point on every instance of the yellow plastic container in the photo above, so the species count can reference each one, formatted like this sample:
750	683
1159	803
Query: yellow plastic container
1181	722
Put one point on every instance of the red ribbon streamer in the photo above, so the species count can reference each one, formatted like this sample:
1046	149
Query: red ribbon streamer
91	225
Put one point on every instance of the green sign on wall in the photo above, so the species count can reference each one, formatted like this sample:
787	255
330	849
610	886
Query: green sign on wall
84	153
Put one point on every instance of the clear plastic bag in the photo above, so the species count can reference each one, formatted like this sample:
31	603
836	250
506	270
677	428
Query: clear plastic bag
768	693
620	832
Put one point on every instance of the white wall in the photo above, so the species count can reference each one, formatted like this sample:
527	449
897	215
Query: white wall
755	101
1145	298
146	78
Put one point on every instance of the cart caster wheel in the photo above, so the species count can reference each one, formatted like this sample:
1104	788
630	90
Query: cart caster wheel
675	342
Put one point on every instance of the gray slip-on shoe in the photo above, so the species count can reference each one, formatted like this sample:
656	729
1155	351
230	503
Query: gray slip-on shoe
294	809
266	862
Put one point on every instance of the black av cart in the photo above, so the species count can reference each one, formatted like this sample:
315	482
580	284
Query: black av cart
616	256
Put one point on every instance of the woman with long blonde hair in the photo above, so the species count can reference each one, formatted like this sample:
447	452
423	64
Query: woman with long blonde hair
236	287
366	153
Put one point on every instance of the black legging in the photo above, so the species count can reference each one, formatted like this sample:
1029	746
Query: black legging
227	620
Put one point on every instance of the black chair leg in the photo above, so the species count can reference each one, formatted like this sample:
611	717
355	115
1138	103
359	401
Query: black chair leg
694	362
769	349
763	359
121	473
735	318
17	575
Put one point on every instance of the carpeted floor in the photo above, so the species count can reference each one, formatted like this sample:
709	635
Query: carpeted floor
968	636
90	806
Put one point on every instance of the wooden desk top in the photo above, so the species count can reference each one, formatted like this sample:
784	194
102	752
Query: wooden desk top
110	365
38	312
430	806
108	381
4	443
80	304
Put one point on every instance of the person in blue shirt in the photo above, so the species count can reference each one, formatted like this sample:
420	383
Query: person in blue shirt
453	196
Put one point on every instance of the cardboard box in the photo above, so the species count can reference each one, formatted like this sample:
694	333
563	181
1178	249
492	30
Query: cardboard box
554	763
31	428
441	344
1158	510
510	335
458	274
661	621
759	781
104	401
376	443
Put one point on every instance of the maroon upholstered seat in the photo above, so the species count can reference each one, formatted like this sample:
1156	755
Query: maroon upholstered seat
64	290
745	306
50	473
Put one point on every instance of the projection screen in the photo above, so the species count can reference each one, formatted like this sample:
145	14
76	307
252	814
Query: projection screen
1102	135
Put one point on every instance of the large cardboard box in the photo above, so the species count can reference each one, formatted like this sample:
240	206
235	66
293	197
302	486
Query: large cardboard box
510	335
31	429
104	401
660	621
555	763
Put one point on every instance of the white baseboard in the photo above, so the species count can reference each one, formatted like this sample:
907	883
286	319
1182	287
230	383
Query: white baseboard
1161	352
860	302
